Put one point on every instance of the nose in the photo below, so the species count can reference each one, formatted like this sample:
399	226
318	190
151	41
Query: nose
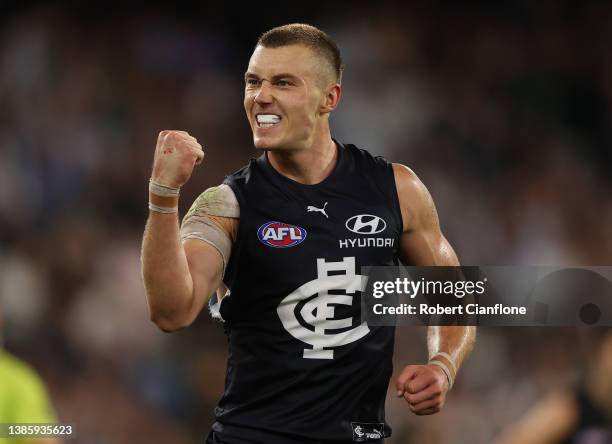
264	95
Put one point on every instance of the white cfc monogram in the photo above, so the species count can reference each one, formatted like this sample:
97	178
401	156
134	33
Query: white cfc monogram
318	312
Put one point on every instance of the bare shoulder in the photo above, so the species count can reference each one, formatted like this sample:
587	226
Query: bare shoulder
415	201
405	176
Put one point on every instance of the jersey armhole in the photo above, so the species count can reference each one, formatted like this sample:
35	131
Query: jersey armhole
232	266
396	200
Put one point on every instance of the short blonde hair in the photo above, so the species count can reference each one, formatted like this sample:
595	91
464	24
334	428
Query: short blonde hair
307	35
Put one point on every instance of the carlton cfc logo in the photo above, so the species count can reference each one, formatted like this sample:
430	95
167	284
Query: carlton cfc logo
280	235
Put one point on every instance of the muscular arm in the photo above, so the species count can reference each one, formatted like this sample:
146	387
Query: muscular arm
178	278
423	244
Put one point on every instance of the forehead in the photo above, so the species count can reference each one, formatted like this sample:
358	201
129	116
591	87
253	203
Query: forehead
293	59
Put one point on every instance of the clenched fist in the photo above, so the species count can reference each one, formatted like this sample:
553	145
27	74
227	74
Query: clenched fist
176	155
424	387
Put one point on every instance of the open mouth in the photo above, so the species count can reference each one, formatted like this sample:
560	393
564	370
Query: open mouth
267	120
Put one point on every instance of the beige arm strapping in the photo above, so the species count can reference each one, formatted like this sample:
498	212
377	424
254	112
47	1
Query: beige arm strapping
216	201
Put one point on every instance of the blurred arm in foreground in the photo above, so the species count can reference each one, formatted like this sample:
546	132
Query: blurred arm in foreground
573	415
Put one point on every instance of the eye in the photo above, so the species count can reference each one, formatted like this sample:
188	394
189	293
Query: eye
283	83
252	82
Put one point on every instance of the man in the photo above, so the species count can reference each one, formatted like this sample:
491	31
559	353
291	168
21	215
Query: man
282	242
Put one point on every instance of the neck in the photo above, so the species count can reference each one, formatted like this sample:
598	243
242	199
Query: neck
308	166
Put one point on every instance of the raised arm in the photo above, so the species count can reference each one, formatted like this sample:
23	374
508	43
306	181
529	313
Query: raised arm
178	277
422	244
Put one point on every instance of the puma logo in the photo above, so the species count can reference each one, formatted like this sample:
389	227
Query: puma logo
310	208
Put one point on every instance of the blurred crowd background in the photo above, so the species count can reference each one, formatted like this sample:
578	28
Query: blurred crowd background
504	111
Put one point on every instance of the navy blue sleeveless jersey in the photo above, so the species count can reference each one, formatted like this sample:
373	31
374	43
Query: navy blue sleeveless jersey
302	367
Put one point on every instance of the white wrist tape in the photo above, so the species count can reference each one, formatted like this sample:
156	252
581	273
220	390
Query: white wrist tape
164	210
446	371
163	190
450	359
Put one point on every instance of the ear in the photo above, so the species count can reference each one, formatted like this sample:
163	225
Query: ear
333	93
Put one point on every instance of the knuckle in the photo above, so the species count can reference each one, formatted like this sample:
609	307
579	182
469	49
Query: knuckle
407	370
177	135
169	139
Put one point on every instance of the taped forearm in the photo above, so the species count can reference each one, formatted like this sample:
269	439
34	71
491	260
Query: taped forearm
448	346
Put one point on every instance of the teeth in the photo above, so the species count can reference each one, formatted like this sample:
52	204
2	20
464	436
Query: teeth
268	119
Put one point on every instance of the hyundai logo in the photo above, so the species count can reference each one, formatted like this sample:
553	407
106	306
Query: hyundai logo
366	224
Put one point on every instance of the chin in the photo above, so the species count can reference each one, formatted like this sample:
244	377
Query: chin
264	143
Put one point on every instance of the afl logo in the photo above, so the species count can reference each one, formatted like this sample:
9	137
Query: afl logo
366	224
280	235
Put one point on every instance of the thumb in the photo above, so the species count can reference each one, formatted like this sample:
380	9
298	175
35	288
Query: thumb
409	373
200	156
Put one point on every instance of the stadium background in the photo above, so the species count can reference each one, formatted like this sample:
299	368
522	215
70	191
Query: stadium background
505	112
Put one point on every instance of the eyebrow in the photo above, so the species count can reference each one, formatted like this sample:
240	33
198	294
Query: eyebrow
250	75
